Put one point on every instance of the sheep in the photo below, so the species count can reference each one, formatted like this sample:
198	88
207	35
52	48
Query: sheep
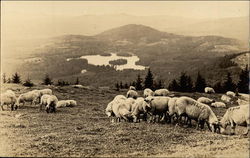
140	107
62	103
238	115
45	91
205	100
50	102
209	90
230	94
161	92
218	105
243	99
172	107
226	99
132	88
148	92
9	98
158	106
31	96
132	94
198	111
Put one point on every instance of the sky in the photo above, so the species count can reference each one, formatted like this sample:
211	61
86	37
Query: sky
191	9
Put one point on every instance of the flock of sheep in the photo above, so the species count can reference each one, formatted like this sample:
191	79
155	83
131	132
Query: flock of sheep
161	105
44	97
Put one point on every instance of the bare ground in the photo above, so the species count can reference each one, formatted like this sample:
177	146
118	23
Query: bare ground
86	131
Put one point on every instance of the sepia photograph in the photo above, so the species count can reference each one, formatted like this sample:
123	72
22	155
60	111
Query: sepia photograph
125	79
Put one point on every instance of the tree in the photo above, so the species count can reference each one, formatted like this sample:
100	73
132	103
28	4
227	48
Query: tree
200	83
126	85
47	80
218	88
121	86
77	81
243	84
149	80
28	83
185	83
138	84
4	78
174	86
16	78
158	85
228	84
117	86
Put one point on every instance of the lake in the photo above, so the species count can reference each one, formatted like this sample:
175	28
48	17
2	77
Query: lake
104	60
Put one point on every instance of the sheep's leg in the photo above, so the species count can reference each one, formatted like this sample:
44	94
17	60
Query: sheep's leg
12	107
248	128
163	117
144	117
208	126
233	126
2	107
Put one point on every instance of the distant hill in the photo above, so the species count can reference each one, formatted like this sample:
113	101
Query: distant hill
165	53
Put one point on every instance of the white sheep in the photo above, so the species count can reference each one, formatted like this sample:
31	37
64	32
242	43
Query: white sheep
172	107
205	100
198	111
50	102
148	92
45	91
236	116
139	107
209	90
226	99
161	92
62	103
9	98
31	96
218	105
132	94
132	88
230	94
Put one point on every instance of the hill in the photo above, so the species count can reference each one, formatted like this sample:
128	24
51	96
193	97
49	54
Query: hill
165	53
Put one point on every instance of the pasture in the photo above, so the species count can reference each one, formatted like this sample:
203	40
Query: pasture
85	130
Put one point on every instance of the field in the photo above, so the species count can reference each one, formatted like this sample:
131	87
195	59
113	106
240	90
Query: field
86	131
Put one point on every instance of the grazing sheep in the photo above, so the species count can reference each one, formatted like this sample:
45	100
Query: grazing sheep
197	111
45	91
148	92
226	99
129	102
218	105
158	106
132	94
230	94
238	115
62	103
205	100
140	107
209	90
132	88
50	102
31	96
9	98
161	92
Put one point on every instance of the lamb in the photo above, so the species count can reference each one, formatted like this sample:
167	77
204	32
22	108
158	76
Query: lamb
31	96
205	100
238	115
161	92
9	98
198	111
209	90
140	107
50	102
230	94
148	92
226	99
132	94
158	106
218	105
132	88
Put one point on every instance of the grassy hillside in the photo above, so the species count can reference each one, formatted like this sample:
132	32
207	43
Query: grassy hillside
86	131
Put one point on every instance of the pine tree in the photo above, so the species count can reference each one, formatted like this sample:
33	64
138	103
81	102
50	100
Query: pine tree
138	85
77	81
126	85
158	85
185	83
228	84
28	83
47	80
200	83
121	85
243	84
149	80
174	86
117	86
16	78
4	78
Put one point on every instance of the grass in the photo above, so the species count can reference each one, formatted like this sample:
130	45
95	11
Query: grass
86	131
